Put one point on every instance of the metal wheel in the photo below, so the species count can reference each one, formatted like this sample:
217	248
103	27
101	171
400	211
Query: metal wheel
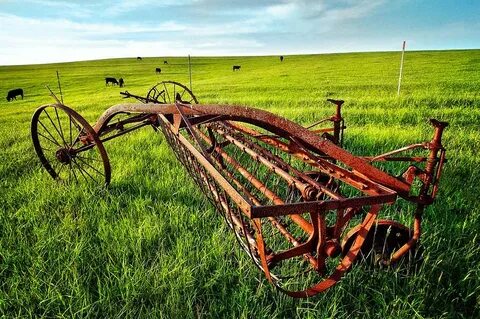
168	92
385	237
68	147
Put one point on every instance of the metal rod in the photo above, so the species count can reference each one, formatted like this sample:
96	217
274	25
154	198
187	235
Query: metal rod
127	130
59	87
302	222
301	186
291	169
243	204
401	69
323	165
282	230
190	71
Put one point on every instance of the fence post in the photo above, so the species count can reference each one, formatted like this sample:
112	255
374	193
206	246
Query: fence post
401	69
190	71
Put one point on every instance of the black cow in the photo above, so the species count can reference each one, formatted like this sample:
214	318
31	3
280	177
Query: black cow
158	70
165	62
121	83
111	80
139	58
12	94
236	67
281	58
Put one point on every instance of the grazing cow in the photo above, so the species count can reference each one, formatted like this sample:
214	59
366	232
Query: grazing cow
236	67
12	94
165	62
121	83
158	70
281	58
139	58
111	80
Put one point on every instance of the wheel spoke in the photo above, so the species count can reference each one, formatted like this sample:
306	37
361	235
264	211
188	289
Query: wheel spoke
77	138
84	171
81	172
60	128
60	170
184	90
70	125
45	128
96	170
54	142
51	121
88	158
78	126
166	91
73	172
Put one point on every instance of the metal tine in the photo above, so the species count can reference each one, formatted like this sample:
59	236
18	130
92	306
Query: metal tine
275	222
271	195
320	163
291	180
289	167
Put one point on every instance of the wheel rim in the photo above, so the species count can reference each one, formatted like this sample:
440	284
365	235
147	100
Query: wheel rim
68	147
168	92
385	237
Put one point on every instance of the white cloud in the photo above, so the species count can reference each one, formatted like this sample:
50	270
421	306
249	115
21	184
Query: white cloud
354	10
73	9
28	40
35	40
281	10
124	6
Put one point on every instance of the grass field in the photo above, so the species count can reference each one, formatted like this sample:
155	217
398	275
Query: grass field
152	246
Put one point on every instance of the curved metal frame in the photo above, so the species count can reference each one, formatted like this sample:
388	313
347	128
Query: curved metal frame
202	137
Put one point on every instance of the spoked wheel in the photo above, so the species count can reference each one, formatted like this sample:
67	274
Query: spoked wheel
68	146
385	237
168	92
307	275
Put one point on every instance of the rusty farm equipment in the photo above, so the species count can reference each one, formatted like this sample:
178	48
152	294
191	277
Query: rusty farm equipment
301	206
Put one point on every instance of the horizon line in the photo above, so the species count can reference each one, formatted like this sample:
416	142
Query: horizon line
243	55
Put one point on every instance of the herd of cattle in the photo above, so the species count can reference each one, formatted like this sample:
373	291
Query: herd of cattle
12	94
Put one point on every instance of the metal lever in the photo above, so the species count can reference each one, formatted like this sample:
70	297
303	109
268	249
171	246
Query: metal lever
437	136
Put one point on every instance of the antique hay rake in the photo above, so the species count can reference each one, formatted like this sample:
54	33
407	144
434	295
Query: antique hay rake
303	208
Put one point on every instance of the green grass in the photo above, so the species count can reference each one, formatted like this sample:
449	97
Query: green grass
152	246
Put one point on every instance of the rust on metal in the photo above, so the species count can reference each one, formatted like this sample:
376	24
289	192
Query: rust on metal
302	207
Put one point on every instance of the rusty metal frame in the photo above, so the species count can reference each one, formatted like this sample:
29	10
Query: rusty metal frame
227	148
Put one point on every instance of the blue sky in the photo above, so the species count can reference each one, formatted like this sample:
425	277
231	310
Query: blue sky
40	31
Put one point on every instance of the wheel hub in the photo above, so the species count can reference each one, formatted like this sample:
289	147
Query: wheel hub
385	238
64	156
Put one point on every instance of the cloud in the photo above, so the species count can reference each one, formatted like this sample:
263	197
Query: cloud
351	10
119	7
46	40
210	27
280	10
70	8
25	27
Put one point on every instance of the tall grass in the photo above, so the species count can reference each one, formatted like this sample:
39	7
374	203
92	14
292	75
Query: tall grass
151	246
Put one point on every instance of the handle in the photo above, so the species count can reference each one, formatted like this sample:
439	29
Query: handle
338	114
437	135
